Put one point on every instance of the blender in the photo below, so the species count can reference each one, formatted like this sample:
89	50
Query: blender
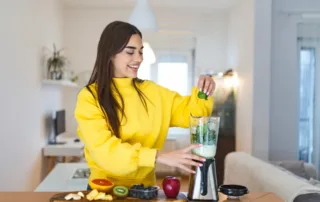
203	183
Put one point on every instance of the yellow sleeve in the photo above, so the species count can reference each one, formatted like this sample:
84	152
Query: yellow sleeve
104	147
183	106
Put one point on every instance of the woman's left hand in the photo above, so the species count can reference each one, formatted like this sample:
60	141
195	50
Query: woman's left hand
206	84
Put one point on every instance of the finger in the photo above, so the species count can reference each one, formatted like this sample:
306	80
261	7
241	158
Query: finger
190	147
213	87
194	157
191	162
200	83
210	89
186	169
207	83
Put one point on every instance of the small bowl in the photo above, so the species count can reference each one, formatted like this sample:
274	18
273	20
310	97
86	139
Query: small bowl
147	194
233	191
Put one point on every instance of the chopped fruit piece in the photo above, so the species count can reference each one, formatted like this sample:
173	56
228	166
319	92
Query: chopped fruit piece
108	197
80	194
100	196
68	197
72	196
92	194
76	197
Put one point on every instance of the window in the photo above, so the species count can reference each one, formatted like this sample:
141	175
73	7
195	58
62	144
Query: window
144	71
174	71
307	96
174	76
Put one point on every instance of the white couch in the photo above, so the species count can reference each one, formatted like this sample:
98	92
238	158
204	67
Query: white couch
260	176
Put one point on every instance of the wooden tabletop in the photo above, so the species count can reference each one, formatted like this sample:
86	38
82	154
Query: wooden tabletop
46	196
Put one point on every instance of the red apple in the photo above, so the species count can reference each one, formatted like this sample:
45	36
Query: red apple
171	186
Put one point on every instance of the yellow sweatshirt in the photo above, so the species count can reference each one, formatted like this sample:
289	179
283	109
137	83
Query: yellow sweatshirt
130	159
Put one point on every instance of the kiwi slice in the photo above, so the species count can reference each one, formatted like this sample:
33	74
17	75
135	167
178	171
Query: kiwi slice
120	191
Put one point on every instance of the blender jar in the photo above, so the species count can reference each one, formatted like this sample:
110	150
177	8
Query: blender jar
204	131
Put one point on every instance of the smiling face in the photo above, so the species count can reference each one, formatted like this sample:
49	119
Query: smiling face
126	63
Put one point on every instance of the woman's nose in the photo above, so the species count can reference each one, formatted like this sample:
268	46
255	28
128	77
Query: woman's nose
138	58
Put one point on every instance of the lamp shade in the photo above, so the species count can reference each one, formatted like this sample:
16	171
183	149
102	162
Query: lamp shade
143	17
148	54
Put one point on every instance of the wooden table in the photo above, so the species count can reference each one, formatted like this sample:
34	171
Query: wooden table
45	197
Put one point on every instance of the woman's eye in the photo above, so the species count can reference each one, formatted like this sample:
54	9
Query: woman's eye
130	53
141	53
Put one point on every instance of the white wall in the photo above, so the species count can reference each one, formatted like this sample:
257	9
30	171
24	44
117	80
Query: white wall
26	26
285	78
261	79
249	53
268	97
83	28
240	57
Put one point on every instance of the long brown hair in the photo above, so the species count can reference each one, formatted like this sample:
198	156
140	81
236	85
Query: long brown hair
113	40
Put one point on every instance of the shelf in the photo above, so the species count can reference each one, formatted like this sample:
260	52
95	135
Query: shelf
59	82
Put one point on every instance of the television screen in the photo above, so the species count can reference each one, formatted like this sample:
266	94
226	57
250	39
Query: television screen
60	122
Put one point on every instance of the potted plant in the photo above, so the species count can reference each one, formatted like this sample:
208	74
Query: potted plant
56	64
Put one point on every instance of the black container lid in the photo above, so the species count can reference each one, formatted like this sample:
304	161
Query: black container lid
233	190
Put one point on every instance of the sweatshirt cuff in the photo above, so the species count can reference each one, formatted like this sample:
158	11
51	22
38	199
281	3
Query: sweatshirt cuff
147	157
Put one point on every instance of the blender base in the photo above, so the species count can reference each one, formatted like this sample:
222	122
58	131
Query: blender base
201	200
203	184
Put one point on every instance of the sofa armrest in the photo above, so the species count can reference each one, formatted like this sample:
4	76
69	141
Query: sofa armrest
260	176
311	170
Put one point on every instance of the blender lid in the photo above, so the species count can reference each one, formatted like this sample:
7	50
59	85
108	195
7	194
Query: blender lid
233	190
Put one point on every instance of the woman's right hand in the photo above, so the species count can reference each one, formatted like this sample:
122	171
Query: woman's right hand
180	158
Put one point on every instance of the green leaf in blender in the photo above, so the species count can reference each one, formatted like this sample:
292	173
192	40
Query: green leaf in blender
212	137
202	128
193	138
202	133
199	138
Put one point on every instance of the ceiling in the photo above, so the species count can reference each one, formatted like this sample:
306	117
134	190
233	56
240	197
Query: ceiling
211	4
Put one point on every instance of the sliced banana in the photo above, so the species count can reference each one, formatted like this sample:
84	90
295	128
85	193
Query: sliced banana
80	194
72	196
93	195
76	197
68	197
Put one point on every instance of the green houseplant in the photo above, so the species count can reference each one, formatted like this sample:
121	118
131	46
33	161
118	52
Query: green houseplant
56	64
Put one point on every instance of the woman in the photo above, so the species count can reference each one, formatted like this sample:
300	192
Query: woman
123	121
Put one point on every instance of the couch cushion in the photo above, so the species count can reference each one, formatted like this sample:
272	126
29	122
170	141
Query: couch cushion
310	197
296	167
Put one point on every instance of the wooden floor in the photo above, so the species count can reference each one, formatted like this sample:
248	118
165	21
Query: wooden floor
184	182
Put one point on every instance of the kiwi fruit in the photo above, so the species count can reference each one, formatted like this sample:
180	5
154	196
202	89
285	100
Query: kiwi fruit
120	191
